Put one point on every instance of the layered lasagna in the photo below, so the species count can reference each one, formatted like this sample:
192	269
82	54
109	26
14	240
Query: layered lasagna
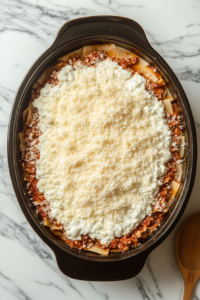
102	148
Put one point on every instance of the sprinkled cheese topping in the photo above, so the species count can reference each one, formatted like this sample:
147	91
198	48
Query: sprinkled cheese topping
104	143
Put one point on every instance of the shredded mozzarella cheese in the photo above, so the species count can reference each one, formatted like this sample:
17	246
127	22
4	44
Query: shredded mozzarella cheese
105	142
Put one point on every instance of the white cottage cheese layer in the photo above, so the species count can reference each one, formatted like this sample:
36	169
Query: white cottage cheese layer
105	142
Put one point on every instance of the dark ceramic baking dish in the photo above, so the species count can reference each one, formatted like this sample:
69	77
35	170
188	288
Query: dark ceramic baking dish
127	34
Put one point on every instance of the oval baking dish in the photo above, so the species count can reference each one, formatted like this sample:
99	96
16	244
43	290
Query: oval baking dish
73	35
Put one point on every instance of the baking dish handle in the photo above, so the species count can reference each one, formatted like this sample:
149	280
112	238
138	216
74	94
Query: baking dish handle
114	26
100	270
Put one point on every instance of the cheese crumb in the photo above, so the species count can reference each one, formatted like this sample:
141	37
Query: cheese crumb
105	142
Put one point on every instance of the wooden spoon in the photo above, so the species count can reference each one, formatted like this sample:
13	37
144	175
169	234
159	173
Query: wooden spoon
187	250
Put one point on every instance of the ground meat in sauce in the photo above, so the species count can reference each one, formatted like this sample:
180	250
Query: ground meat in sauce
31	135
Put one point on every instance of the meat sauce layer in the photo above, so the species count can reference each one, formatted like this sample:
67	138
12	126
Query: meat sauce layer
31	135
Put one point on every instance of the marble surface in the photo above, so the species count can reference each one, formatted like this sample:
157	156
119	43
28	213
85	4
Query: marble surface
27	27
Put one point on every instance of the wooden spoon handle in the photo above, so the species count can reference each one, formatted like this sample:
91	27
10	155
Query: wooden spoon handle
189	282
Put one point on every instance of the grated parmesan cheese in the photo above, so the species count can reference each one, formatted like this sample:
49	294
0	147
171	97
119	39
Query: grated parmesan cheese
105	142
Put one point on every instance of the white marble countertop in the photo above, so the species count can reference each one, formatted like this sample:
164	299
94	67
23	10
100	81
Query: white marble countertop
27	27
